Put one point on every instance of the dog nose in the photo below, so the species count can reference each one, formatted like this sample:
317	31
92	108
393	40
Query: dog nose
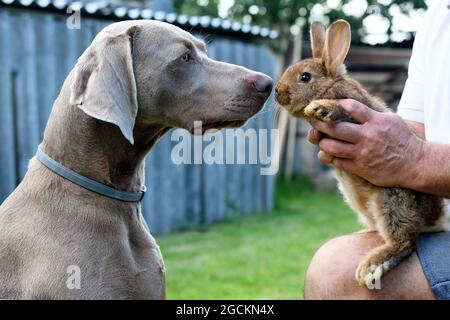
262	83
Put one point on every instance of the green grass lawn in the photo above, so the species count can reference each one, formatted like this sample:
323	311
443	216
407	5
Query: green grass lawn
262	256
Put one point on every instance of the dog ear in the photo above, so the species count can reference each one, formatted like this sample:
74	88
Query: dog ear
317	33
104	85
337	45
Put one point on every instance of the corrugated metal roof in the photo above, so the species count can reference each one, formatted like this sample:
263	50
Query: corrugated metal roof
107	10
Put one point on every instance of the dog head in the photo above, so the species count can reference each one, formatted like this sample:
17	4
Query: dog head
155	73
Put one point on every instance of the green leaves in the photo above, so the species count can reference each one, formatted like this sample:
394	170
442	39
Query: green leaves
282	14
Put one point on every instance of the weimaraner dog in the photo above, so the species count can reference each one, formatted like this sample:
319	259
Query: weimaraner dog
136	80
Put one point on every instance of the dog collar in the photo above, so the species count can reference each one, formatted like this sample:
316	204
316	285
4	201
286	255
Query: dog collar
87	183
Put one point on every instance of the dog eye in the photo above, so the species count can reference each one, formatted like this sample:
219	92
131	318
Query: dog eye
305	77
187	57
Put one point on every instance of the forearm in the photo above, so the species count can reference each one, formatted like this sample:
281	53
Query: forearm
432	173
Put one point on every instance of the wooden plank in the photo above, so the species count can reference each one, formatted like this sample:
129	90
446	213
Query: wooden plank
246	183
151	205
258	180
21	51
269	67
7	148
165	206
260	123
368	56
60	52
72	49
175	174
236	52
224	52
46	68
30	88
193	194
214	175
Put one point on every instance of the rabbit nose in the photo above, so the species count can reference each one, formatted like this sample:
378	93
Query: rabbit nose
282	95
262	83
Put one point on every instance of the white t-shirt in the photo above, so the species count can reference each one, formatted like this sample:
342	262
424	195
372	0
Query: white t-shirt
426	97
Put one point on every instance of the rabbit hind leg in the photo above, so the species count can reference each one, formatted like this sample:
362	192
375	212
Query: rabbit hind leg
380	261
399	220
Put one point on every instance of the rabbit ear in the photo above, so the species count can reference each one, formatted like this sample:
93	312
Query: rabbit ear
337	44
318	33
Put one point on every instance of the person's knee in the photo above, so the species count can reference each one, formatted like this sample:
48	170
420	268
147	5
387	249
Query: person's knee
331	272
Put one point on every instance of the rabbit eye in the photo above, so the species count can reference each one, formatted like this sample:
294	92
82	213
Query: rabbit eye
305	77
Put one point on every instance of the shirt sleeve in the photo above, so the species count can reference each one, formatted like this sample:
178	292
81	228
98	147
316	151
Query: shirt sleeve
411	105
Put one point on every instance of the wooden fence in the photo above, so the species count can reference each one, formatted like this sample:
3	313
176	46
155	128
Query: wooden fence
37	51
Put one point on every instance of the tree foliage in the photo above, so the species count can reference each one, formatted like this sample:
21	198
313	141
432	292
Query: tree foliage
282	15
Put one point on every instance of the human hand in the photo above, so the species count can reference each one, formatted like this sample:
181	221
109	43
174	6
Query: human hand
314	137
381	148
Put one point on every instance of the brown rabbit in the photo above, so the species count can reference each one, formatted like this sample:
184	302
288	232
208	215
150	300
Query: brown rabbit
311	89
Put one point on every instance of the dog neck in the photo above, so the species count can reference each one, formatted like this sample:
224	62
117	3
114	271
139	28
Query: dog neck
97	149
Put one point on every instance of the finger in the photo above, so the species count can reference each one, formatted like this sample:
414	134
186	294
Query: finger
360	112
344	131
314	136
337	148
324	157
344	164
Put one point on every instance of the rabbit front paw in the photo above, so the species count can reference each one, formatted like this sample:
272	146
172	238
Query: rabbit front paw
323	110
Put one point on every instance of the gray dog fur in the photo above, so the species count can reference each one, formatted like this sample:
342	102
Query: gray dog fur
127	89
